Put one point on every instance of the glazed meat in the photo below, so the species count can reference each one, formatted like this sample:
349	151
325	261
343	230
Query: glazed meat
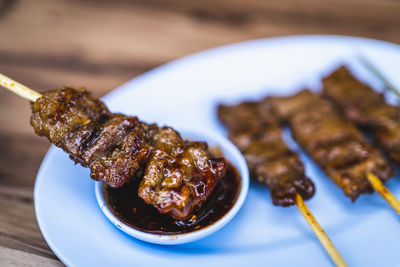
178	175
254	129
335	144
366	108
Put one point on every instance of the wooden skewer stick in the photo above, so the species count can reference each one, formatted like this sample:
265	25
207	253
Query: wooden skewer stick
374	70
319	232
379	187
18	88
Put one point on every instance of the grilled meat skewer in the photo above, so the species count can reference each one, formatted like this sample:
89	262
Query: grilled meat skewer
366	108
334	143
257	133
177	175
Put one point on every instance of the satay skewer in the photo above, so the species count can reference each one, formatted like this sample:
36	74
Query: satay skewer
319	232
118	148
257	133
367	113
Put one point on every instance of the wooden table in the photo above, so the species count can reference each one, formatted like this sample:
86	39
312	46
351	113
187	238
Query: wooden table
101	44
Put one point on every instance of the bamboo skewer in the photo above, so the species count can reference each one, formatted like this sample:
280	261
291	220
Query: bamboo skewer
374	70
319	232
384	192
18	88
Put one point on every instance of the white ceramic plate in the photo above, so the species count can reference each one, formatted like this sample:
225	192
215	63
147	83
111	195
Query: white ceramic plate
184	93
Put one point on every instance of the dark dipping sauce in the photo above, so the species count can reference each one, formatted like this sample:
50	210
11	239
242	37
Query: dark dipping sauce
128	207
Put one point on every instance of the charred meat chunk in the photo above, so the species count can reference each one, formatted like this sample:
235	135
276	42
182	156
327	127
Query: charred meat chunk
58	112
180	175
113	146
257	133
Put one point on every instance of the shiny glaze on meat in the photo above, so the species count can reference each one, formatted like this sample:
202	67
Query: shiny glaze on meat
177	175
132	210
180	175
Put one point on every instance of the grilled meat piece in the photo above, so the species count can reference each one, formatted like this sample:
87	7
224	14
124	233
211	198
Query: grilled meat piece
334	143
113	146
254	129
178	175
366	108
61	111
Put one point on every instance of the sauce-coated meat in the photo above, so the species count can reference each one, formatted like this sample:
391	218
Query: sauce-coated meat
132	210
178	175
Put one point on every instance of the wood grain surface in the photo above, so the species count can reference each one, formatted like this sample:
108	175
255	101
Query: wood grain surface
102	44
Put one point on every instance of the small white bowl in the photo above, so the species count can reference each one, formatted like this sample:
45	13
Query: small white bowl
231	153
